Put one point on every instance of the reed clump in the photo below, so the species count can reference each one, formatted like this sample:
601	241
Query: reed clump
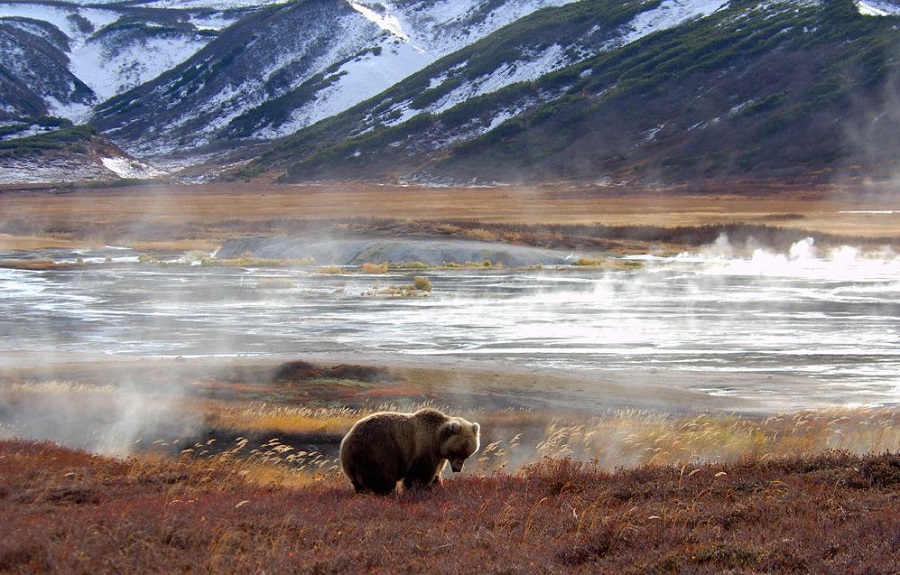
370	268
632	438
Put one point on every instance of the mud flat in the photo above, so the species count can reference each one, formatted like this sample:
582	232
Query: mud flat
461	383
432	252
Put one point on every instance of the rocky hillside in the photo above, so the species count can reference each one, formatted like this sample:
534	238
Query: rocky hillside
173	81
738	89
459	91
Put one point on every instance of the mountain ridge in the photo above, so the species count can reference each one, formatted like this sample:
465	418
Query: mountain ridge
479	91
803	90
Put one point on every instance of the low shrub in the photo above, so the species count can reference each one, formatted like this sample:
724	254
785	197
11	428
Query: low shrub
66	511
368	268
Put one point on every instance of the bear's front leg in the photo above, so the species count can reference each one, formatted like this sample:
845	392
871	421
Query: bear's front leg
424	474
417	482
436	480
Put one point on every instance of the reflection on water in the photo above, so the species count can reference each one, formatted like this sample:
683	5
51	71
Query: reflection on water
832	318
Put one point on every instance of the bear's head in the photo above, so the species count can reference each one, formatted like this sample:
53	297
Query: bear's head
459	440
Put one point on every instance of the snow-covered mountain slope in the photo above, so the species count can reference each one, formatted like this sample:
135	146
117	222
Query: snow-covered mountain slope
632	91
304	62
878	7
207	72
35	78
528	55
99	49
427	89
58	60
292	65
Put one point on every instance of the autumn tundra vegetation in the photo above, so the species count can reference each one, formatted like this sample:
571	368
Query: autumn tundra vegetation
627	492
68	511
244	475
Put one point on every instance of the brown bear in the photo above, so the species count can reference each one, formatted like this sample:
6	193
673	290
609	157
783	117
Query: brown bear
383	448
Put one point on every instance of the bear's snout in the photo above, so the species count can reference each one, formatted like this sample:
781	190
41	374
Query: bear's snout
456	466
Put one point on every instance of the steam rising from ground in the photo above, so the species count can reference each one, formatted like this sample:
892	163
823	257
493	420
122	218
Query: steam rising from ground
806	327
103	419
802	260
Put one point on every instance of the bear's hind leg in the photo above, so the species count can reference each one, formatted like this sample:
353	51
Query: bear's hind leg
379	483
383	487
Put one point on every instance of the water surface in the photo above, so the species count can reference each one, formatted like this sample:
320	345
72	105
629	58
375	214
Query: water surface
827	320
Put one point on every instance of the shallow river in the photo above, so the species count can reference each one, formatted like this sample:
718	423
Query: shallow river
830	321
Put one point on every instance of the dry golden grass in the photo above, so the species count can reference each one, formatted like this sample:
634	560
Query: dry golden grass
274	419
368	268
18	242
270	433
200	217
36	265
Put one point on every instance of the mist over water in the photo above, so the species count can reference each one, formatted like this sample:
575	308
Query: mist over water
827	319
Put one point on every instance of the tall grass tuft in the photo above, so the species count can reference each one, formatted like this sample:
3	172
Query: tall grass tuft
631	438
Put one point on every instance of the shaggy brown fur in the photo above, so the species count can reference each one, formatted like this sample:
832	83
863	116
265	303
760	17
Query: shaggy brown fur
387	447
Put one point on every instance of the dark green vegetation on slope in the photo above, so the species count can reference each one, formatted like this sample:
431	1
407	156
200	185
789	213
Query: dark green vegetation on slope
61	136
773	90
191	89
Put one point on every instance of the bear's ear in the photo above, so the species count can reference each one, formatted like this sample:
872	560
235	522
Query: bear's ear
476	428
454	427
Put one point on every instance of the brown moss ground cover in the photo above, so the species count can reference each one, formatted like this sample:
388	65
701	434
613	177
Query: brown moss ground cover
65	511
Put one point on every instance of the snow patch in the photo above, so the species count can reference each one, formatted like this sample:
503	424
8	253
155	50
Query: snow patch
384	20
667	15
531	67
76	112
502	116
650	134
877	8
215	22
130	169
40	170
32	130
